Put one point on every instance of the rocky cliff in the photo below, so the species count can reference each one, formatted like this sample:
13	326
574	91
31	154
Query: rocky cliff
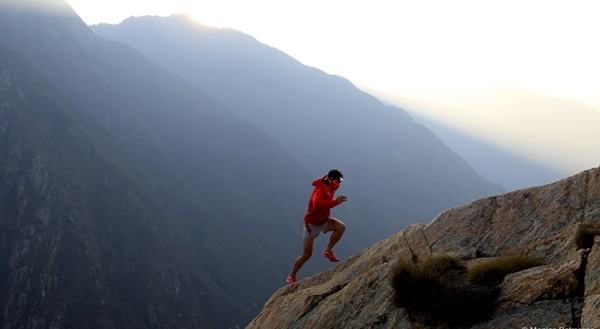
539	221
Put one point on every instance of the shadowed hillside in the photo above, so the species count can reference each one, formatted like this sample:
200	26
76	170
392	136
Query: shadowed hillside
127	198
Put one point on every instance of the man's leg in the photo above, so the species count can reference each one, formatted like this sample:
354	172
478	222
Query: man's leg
338	228
307	249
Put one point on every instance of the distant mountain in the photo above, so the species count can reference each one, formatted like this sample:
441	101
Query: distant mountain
397	171
514	136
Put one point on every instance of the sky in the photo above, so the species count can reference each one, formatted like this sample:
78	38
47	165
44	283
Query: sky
400	50
399	47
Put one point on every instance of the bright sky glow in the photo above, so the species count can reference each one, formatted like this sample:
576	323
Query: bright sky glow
405	46
398	49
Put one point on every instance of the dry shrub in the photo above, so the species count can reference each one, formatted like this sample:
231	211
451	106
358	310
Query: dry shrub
585	235
436	292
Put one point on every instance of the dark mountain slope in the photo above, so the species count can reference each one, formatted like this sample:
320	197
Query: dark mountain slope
397	171
127	198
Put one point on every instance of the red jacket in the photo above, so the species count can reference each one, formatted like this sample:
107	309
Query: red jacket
321	201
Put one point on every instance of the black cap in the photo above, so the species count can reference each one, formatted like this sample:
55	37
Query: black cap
335	174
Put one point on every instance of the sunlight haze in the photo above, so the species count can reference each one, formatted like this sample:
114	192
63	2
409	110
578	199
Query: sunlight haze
410	46
407	51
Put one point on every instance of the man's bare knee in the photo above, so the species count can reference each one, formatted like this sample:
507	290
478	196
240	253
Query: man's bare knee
306	256
339	226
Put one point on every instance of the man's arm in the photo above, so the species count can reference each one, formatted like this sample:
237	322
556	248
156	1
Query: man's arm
323	201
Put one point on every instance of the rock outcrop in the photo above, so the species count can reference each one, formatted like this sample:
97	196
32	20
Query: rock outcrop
539	221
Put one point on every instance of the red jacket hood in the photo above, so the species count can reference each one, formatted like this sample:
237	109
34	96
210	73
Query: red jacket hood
322	181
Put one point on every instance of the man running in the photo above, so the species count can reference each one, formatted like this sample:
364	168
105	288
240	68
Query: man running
317	219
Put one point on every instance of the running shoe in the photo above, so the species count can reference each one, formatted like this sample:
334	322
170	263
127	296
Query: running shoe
329	255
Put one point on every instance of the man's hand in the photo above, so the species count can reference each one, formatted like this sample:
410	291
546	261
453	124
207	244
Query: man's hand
341	198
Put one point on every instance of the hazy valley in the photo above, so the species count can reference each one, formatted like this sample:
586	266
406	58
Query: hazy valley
513	136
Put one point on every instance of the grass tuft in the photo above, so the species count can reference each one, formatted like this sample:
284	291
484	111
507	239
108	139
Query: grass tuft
492	272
